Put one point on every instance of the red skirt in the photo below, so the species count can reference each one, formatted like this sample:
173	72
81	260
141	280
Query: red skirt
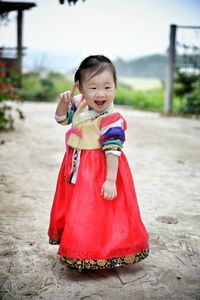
87	226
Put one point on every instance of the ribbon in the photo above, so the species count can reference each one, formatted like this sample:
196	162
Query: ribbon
72	130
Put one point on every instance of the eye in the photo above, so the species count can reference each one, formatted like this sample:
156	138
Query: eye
92	88
107	87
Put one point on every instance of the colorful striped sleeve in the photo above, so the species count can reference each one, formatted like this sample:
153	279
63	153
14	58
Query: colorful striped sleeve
112	137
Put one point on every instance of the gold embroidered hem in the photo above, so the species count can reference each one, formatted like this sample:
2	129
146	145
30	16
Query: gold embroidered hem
103	263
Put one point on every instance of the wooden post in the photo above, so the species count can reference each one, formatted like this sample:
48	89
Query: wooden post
19	39
170	71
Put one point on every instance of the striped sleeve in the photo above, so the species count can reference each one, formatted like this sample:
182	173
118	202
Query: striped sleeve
112	137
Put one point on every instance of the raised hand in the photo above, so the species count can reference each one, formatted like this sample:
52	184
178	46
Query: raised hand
67	96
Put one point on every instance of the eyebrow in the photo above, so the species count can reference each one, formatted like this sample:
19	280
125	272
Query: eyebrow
107	82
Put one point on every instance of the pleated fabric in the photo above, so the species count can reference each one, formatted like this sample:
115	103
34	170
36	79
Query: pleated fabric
87	225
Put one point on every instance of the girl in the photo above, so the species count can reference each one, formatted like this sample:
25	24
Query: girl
95	215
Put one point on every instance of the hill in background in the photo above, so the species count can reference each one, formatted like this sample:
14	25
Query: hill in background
152	66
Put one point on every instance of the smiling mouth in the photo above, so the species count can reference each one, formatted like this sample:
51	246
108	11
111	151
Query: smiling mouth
97	102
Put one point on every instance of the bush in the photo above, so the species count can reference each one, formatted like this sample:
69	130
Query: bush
187	89
47	88
9	81
145	100
9	84
36	87
191	101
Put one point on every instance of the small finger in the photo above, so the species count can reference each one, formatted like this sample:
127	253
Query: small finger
113	196
110	197
105	195
64	97
61	95
68	96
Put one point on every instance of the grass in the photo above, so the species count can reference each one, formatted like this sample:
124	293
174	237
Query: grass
139	93
141	84
144	94
152	100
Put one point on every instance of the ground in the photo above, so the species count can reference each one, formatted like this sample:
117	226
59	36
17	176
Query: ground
164	156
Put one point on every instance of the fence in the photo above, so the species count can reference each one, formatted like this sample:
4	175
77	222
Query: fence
183	53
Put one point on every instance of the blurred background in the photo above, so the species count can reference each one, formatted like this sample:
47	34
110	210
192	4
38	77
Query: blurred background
155	46
42	43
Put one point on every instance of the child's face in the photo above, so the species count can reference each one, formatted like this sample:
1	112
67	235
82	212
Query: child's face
98	91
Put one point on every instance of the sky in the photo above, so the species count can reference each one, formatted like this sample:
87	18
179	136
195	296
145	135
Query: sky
125	29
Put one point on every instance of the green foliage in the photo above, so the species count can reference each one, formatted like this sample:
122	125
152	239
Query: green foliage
9	81
6	119
144	100
36	87
9	84
187	89
183	83
191	101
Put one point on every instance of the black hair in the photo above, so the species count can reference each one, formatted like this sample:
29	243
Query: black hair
96	63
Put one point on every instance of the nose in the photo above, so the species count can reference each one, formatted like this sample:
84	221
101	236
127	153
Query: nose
100	93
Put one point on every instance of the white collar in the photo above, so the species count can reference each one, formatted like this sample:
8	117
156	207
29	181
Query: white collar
91	112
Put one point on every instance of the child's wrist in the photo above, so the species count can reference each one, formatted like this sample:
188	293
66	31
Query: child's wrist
64	106
110	180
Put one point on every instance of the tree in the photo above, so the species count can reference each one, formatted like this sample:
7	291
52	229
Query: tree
69	1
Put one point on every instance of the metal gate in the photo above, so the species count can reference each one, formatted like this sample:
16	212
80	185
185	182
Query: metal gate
183	53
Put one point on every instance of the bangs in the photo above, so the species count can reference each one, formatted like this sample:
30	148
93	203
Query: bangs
94	71
93	65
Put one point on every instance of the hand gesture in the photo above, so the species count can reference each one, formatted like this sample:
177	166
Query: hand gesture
109	191
67	96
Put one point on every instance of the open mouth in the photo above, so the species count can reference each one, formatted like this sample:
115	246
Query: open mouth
97	102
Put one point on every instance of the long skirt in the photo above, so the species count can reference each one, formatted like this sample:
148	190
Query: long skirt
95	233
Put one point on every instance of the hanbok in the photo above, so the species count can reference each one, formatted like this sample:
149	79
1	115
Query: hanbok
92	232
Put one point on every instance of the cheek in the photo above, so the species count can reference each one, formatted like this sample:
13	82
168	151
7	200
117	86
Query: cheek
111	93
84	91
87	94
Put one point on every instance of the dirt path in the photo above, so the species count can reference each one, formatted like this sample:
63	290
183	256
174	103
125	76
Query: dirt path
164	155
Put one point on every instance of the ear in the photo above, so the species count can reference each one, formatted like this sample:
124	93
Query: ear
78	86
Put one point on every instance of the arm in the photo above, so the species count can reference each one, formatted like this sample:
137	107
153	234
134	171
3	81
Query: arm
109	190
112	138
66	107
63	105
65	99
62	110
